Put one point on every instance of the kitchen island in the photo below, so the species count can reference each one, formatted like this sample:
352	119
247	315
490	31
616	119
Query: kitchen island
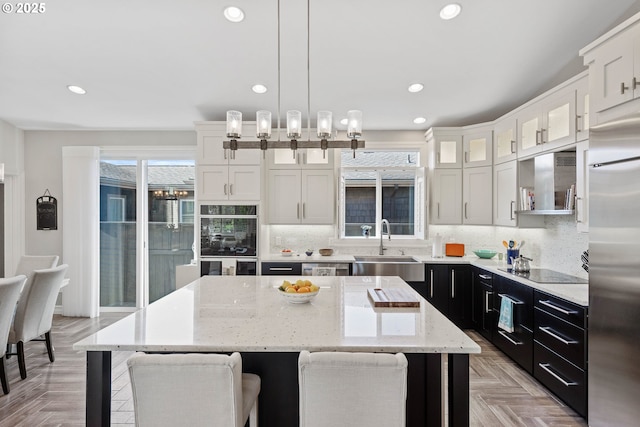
246	314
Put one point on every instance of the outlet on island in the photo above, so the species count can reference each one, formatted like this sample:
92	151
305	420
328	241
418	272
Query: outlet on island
278	241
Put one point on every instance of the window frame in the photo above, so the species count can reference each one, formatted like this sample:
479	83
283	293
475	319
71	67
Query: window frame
419	201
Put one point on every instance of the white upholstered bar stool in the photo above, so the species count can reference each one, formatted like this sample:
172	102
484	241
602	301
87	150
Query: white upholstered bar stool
10	289
192	390
352	389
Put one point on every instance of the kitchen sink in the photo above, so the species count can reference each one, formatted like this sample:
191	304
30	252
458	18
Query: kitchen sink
407	267
385	259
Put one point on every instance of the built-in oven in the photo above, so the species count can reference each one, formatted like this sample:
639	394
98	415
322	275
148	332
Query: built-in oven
228	239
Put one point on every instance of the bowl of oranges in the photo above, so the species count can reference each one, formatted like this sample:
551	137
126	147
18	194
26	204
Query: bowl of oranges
299	292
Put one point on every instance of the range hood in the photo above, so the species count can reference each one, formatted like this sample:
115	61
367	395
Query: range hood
554	183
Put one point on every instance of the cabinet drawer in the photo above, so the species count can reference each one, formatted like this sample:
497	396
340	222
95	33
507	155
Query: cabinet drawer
518	345
561	377
565	310
562	337
521	294
281	269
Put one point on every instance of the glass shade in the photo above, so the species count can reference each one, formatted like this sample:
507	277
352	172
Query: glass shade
234	124
294	124
263	124
354	123
324	124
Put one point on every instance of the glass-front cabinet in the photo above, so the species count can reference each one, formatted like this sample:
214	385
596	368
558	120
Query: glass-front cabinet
504	140
478	147
447	147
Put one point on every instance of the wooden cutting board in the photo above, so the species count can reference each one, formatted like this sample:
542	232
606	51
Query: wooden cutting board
392	297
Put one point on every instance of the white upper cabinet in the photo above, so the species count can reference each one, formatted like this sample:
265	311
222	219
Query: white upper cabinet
548	123
301	196
446	206
477	196
447	147
210	151
477	148
505	193
504	140
582	109
313	158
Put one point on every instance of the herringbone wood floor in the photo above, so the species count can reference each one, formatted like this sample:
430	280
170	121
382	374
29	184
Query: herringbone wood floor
53	394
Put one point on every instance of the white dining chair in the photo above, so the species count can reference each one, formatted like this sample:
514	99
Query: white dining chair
10	289
34	313
192	390
29	263
352	389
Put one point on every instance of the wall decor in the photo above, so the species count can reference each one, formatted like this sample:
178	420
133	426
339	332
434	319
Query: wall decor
47	212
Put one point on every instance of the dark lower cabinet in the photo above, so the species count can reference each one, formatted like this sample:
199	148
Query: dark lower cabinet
448	288
482	311
560	349
517	344
281	269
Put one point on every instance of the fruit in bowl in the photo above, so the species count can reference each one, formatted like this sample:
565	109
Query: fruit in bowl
299	292
287	252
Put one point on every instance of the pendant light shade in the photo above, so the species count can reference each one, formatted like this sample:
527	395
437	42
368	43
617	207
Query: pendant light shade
234	124
354	124
263	124
324	124
294	124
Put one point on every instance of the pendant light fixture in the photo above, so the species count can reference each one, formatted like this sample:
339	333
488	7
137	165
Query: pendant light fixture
294	121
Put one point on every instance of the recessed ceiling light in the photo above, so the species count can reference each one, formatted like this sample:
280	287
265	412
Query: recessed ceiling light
450	11
344	121
233	14
76	89
419	120
416	87
259	88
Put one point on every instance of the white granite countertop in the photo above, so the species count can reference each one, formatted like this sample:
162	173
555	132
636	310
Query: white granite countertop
246	313
302	257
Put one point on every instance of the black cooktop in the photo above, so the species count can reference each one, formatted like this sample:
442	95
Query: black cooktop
543	275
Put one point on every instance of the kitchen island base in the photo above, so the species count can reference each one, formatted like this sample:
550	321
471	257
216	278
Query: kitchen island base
278	399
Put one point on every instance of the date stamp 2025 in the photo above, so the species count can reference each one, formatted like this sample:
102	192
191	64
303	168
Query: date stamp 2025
24	8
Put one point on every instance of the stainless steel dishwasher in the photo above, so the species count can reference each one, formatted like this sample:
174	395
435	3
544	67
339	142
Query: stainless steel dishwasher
326	269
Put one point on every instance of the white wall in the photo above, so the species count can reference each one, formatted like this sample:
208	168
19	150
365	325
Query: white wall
43	170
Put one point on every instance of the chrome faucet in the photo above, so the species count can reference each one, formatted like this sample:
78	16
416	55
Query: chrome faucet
382	223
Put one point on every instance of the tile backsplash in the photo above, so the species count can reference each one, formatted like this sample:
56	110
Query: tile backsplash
558	246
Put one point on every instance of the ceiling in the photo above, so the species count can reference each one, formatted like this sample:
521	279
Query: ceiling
163	64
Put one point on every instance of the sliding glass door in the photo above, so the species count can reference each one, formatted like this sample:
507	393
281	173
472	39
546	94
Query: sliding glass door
146	228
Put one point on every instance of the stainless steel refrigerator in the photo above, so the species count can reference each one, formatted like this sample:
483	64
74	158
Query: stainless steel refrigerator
614	273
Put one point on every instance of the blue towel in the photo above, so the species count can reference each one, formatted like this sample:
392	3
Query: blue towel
506	314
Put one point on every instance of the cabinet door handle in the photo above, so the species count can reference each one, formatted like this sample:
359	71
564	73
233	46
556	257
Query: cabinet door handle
623	88
225	189
465	210
438	157
578	117
513	203
230	189
508	338
485	277
466	157
486	302
453	283
566	383
513	146
547	330
304	215
634	83
298	210
280	268
575	207
549	304
538	138
542	131
431	282
438	206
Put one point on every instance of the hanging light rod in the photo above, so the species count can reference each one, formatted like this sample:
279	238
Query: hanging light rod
294	121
